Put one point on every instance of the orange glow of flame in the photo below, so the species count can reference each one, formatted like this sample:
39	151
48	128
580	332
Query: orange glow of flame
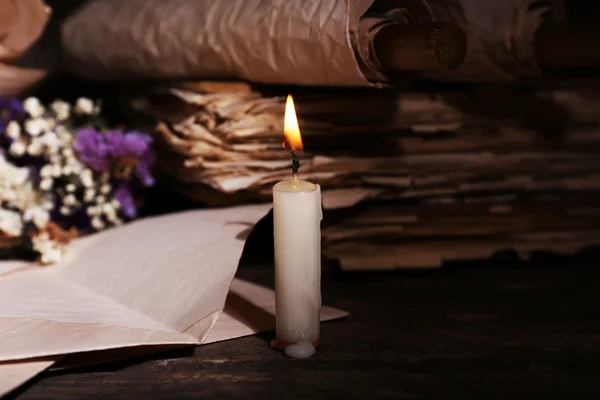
291	130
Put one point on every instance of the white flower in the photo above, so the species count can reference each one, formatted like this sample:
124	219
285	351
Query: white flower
48	205
67	152
100	199
110	212
50	251
93	210
35	126
97	223
10	223
13	130
71	187
61	108
46	171
70	200
64	210
46	184
56	170
51	142
75	165
51	256
37	215
13	182
67	170
84	106
11	173
36	147
17	148
86	178
33	106
89	194
105	189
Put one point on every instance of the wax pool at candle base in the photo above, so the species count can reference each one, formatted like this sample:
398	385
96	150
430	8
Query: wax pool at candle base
297	234
300	350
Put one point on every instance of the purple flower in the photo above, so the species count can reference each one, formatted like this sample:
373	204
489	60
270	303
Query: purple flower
92	149
123	195
10	109
133	149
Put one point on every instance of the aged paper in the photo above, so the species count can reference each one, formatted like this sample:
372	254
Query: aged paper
249	309
155	282
15	373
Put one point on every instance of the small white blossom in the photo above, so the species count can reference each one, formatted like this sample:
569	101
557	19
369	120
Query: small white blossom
67	152
70	200
93	210
13	181
46	171
10	223
13	130
65	137
56	170
86	178
51	256
84	106
89	194
97	223
76	165
51	142
46	184
50	251
17	148
105	188
64	210
37	215
115	203
100	199
71	187
67	170
35	126
110	212
61	108
35	148
33	106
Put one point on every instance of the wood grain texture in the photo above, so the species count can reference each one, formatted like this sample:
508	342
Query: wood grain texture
500	330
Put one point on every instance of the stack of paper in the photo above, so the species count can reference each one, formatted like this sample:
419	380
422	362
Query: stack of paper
223	144
397	163
155	282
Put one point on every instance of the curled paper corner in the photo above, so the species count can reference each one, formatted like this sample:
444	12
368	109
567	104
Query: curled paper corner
22	22
13	80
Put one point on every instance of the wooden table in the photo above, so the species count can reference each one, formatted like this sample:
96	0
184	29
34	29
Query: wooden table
494	330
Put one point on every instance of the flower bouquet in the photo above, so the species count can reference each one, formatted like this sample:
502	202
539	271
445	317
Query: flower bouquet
63	173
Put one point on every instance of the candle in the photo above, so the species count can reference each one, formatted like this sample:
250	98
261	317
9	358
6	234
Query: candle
297	233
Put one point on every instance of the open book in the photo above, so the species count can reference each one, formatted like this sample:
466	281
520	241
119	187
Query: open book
157	281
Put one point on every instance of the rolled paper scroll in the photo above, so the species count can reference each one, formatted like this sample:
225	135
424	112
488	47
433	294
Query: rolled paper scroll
308	42
21	24
501	36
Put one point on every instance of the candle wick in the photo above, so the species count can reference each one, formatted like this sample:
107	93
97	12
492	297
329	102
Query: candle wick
295	163
295	158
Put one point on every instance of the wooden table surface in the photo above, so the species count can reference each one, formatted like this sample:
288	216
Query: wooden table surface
495	330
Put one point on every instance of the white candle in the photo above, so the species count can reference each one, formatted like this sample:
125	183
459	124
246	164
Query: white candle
297	233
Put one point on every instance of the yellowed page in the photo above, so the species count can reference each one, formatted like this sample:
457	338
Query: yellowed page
14	374
146	283
250	308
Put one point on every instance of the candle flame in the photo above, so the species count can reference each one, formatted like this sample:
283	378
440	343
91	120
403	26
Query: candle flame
291	130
